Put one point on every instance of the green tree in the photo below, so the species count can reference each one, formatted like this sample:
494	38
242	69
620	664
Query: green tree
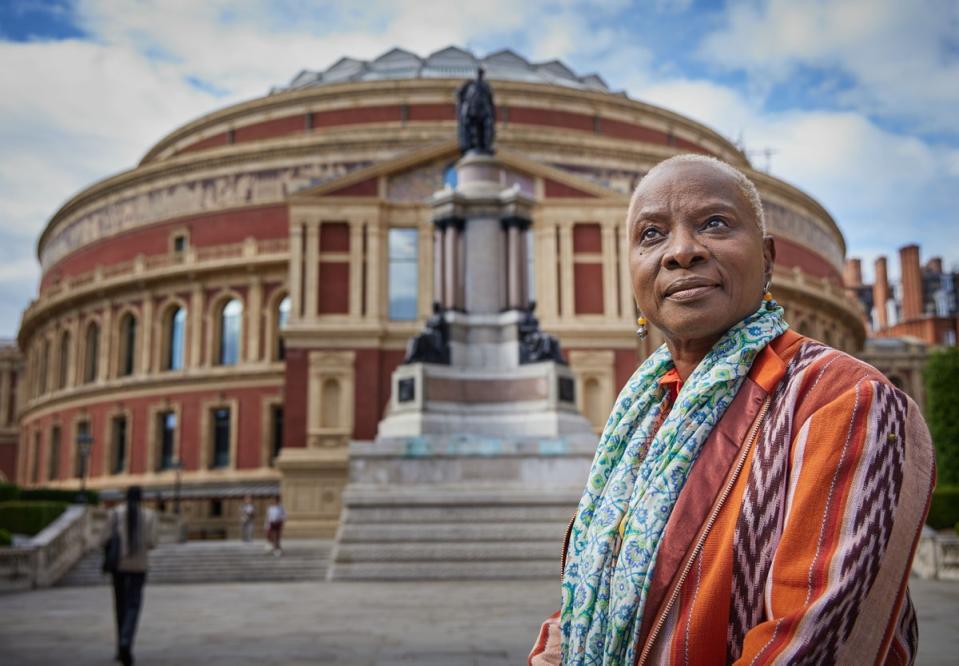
942	411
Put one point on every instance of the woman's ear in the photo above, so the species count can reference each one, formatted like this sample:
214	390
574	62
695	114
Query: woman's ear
769	257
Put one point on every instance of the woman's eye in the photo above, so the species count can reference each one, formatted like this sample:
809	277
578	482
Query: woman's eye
649	233
715	223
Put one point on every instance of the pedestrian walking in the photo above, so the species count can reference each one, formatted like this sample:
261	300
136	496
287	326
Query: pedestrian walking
275	517
247	516
131	534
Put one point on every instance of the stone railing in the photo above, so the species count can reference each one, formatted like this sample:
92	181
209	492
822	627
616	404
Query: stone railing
52	552
55	550
937	555
158	265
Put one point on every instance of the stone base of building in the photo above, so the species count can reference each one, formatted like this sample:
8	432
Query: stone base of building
311	483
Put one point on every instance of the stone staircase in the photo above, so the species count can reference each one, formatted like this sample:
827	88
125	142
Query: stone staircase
218	562
445	533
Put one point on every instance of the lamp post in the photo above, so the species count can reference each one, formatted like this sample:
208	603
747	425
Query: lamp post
84	444
177	468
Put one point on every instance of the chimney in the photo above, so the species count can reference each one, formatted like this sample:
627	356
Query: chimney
911	278
852	274
880	293
934	265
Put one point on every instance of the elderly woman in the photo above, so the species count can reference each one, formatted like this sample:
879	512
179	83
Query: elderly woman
756	496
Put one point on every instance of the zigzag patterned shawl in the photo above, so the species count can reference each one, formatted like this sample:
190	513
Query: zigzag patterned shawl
633	485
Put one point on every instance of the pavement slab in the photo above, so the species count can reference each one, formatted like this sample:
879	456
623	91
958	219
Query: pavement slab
470	623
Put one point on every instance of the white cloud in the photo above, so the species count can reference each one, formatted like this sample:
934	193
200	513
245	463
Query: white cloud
902	57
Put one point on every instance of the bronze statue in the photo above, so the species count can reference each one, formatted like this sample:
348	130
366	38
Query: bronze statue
476	116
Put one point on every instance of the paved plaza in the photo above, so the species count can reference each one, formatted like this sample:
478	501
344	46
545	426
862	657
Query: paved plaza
334	623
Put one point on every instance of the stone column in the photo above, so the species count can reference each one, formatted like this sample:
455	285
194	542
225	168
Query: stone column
625	286
610	300
312	258
5	384
254	310
524	295
196	317
105	343
373	273
460	265
514	295
451	265
296	270
438	263
546	298
567	302
356	268
146	351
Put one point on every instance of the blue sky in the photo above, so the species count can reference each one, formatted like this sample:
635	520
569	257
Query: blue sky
856	99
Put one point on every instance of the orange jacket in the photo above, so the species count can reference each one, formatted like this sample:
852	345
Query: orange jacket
792	540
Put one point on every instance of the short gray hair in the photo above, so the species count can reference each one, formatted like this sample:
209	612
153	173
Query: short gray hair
745	185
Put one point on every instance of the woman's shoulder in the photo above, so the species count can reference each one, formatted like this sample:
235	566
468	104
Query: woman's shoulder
818	375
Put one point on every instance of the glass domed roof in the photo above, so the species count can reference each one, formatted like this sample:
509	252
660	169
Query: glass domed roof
448	63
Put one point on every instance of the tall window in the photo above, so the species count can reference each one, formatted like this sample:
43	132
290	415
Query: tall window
276	432
118	463
404	274
63	372
175	335
91	353
128	344
221	437
166	431
282	317
83	430
53	464
231	317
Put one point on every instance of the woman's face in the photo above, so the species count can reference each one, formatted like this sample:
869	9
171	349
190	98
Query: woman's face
697	260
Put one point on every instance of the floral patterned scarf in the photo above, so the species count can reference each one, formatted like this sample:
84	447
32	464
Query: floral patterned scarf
633	485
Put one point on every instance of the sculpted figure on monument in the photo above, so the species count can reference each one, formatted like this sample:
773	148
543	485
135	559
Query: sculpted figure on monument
431	345
476	115
535	345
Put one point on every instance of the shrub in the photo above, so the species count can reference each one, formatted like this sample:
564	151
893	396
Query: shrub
942	396
29	518
57	495
944	510
5	537
9	492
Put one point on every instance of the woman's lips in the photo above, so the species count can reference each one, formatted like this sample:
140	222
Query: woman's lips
690	293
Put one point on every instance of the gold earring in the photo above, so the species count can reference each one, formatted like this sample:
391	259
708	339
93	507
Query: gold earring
768	299
642	331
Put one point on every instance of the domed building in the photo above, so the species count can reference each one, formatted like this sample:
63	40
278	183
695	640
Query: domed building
225	317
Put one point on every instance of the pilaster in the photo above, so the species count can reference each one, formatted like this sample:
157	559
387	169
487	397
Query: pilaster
312	260
254	318
567	302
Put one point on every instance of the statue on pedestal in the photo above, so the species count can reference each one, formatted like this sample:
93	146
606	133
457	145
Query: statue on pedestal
536	345
432	344
476	116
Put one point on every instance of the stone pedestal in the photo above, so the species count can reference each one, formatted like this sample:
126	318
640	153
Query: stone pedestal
481	457
311	485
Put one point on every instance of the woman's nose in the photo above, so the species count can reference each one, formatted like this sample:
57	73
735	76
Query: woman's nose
683	249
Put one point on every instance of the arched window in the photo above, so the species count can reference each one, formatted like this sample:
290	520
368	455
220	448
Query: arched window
63	371
231	318
128	345
174	339
91	353
282	317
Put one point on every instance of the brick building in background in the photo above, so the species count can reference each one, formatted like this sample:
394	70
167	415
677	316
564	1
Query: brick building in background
226	316
907	317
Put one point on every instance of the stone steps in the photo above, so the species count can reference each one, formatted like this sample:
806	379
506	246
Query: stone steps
431	532
218	562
